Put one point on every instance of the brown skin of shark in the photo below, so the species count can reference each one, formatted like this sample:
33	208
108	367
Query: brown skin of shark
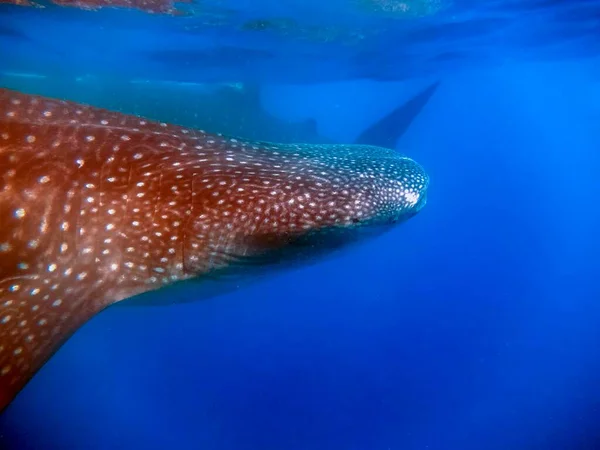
97	207
148	6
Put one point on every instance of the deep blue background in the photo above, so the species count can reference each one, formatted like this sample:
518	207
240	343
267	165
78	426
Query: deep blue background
475	325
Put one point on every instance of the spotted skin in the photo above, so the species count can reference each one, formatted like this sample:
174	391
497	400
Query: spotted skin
97	207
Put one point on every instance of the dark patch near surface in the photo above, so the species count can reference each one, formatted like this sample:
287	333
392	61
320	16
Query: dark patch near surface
457	30
579	14
8	32
225	55
269	24
314	50
553	36
452	56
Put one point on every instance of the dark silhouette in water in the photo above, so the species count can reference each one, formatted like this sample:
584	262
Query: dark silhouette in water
230	109
387	131
12	33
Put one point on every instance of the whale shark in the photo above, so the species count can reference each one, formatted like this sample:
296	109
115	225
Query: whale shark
98	207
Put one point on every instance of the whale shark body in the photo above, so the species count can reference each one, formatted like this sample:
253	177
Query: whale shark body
97	207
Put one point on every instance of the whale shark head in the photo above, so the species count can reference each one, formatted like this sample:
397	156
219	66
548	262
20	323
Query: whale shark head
97	207
276	204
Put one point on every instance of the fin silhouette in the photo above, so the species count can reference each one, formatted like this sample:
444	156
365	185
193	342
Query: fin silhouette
387	131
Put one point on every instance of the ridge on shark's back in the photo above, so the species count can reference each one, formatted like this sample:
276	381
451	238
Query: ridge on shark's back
97	207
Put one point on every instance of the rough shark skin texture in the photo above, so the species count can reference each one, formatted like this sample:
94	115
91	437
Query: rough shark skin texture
97	207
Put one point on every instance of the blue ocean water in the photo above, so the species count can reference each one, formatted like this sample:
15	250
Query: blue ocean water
473	326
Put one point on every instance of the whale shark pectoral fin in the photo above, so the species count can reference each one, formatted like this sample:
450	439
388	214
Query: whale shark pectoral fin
37	315
387	131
